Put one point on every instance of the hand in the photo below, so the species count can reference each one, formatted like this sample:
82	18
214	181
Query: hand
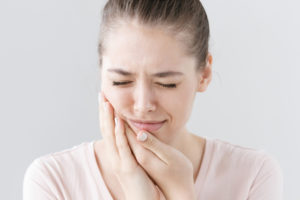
171	170
135	182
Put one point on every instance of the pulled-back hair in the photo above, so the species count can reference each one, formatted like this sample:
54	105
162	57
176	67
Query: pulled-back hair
185	19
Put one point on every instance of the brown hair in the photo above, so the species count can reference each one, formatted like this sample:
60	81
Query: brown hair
186	19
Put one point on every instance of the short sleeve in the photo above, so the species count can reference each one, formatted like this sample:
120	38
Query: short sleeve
268	183
35	183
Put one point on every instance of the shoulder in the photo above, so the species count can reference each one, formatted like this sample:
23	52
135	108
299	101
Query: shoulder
46	174
255	169
224	151
61	160
69	156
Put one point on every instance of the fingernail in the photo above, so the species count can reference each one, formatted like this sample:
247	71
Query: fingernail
116	121
142	136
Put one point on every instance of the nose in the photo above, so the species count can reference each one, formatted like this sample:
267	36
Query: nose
144	99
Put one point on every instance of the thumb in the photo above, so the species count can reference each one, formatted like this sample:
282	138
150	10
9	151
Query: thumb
151	143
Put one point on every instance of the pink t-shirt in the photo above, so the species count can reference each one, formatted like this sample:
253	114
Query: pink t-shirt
228	172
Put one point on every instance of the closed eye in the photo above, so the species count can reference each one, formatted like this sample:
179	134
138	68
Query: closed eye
171	85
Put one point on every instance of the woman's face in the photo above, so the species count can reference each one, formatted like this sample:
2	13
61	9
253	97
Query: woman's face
149	63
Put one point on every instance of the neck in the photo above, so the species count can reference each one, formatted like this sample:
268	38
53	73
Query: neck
192	146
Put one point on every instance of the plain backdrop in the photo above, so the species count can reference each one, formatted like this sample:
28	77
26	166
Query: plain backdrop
49	79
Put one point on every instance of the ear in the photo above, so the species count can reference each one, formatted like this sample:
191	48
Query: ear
205	76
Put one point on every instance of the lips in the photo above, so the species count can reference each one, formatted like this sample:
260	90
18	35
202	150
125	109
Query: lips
149	126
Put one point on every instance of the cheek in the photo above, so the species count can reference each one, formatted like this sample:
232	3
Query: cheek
111	92
117	97
179	105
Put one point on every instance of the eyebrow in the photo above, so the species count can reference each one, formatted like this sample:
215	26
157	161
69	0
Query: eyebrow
159	74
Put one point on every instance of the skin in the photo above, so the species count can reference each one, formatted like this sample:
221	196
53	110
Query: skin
169	151
132	179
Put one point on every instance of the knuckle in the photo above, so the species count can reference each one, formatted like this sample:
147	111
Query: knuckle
141	158
122	145
124	170
102	126
151	142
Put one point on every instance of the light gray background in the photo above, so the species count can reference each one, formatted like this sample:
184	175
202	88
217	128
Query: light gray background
49	81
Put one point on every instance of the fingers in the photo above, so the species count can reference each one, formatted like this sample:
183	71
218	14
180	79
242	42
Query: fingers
161	195
107	126
122	143
114	136
130	136
150	142
148	159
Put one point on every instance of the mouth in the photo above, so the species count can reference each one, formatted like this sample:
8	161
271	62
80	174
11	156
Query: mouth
147	125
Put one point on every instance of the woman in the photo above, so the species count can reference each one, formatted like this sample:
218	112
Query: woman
153	60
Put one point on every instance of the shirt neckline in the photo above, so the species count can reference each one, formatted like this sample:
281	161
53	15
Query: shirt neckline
98	175
200	180
198	185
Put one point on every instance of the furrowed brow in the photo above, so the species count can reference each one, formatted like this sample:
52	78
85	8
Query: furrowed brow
159	74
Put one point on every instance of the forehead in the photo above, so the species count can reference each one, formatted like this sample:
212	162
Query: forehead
132	45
